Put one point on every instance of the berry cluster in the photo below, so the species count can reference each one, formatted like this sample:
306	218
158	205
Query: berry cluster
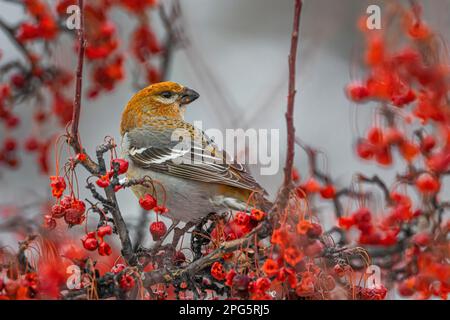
91	243
411	85
37	78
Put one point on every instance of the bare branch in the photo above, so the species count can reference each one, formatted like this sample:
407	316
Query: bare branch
284	192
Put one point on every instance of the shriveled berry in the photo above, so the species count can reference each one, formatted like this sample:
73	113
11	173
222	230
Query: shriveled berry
49	222
73	217
58	211
66	202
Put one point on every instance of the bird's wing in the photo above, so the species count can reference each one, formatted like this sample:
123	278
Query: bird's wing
184	151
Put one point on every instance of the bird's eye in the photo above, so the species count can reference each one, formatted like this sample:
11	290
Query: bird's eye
166	94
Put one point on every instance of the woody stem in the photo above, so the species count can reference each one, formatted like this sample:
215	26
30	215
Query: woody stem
283	196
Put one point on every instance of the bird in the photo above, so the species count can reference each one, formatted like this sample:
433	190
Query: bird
189	189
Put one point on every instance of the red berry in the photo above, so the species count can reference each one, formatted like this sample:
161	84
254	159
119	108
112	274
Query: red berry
328	192
406	287
357	92
18	80
311	186
158	229
314	231
31	144
346	222
66	202
239	282
49	222
384	157
218	272
421	239
118	268
427	183
295	175
147	202
58	211
103	181
262	284
339	270
179	258
362	215
78	205
257	215
439	162
12	122
107	29
365	150
375	136
126	282
315	249
40	116
242	218
104	230
160	210
406	98
73	217
104	249
10	144
12	162
58	185
81	157
428	143
123	165
393	136
90	242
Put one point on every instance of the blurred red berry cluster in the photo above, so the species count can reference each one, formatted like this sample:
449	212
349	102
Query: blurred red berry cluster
37	78
409	83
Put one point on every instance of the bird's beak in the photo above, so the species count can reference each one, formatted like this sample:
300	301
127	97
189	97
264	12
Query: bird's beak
188	96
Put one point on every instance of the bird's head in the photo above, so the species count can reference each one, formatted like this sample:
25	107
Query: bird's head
163	99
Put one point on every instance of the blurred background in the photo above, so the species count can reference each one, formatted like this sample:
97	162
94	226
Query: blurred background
237	60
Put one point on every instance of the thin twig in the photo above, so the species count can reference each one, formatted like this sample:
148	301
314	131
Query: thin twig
79	81
284	192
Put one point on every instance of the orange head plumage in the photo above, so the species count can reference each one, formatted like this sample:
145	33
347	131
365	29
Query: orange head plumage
163	99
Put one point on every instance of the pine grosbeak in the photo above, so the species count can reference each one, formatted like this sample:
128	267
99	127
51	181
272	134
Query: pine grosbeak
194	179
